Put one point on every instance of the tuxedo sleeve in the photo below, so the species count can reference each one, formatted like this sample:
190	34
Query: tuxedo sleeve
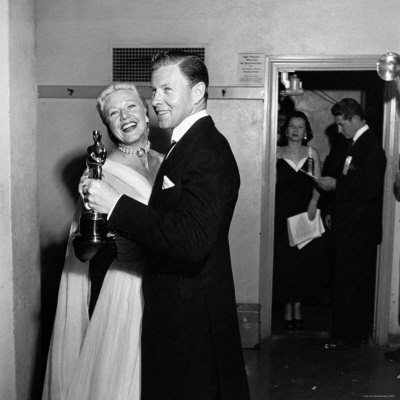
208	190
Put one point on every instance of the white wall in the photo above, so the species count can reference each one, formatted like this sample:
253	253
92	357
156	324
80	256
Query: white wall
19	249
24	194
74	42
241	121
75	38
7	345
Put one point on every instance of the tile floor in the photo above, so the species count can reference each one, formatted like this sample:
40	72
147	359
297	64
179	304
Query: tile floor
295	367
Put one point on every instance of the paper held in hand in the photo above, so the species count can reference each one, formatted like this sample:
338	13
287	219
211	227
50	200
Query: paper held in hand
301	230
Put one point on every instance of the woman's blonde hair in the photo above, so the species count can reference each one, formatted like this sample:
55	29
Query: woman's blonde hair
115	87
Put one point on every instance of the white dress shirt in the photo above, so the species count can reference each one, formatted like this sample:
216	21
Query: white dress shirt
360	132
186	124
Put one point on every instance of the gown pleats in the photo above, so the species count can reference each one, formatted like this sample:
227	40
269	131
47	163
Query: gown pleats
100	358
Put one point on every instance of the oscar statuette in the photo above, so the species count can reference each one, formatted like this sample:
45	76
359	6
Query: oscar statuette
92	225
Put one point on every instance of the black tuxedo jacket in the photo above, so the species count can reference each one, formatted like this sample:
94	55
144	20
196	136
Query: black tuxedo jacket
359	193
190	339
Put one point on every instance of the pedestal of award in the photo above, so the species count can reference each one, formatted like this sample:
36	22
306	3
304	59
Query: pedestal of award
92	225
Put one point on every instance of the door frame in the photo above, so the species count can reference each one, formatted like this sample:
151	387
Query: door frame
390	141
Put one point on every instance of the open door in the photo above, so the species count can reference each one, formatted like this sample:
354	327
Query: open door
273	67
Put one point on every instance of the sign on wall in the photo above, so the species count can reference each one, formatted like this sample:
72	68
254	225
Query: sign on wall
251	69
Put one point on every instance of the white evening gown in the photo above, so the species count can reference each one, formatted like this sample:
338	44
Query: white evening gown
100	358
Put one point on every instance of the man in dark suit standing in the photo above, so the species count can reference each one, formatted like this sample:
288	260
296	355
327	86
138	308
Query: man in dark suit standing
357	226
190	340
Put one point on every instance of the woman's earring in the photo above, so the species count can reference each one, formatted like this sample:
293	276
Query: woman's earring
305	137
147	119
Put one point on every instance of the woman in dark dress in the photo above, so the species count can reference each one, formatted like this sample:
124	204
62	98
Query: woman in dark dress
296	274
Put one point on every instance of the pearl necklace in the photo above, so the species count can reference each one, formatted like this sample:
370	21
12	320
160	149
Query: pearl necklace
140	152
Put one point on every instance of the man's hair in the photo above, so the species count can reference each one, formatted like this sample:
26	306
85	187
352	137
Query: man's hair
348	108
192	67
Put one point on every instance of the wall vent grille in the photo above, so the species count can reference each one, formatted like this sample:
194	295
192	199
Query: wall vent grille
133	64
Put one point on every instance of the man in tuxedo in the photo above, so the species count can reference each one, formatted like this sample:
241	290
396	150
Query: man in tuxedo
190	339
357	226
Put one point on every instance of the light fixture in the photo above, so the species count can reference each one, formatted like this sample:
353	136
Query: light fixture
293	85
388	66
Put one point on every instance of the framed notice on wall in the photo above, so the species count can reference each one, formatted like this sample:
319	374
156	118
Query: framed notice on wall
251	69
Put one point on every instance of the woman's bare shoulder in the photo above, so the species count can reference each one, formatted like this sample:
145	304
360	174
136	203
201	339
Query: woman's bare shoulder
280	151
315	151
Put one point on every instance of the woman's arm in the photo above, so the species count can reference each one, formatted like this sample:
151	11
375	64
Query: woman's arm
312	206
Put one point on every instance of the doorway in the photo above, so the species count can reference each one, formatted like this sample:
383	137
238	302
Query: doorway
308	67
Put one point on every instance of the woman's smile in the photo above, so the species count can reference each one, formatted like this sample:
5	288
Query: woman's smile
128	127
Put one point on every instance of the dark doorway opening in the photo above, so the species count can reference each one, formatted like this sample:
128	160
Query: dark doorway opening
331	86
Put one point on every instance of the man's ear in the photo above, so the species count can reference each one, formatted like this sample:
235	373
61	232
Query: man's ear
198	92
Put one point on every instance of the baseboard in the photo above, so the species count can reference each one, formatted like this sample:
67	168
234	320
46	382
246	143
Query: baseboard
249	324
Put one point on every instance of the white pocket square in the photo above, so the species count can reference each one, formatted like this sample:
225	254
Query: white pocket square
167	183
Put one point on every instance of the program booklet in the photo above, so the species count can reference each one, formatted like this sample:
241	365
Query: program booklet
301	230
